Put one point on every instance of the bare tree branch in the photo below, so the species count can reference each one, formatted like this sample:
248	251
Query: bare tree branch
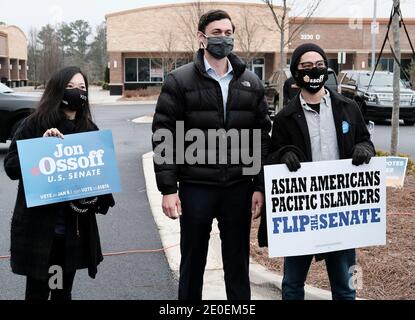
189	19
248	36
307	19
284	22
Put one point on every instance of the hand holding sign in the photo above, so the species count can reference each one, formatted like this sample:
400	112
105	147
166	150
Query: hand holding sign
291	160
361	155
53	133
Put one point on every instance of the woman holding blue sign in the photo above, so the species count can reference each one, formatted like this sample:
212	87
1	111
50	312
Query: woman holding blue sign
50	243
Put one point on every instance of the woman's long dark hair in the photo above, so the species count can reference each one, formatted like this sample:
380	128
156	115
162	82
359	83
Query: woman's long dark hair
50	112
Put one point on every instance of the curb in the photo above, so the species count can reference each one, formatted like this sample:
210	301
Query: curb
267	278
265	284
121	103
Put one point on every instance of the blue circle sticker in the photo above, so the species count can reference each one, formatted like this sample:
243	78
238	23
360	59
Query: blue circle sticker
346	127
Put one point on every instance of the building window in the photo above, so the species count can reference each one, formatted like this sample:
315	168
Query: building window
171	64
257	66
130	70
156	70
144	70
181	62
386	64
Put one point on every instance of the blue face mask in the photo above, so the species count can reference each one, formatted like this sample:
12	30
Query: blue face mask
219	47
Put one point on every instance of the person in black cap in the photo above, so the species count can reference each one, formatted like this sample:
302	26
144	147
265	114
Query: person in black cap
318	125
290	90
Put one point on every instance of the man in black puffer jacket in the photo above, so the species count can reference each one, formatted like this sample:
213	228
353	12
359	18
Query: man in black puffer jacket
215	92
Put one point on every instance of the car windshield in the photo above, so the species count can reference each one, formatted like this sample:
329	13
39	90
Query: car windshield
379	80
5	89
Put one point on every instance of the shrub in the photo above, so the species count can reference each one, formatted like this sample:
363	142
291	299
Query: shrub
147	92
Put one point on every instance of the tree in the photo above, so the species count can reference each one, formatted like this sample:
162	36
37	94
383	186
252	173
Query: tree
50	53
396	78
54	47
281	18
33	56
170	55
248	36
97	54
189	20
81	31
66	40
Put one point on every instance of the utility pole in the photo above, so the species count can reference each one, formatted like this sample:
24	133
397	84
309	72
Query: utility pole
396	78
374	37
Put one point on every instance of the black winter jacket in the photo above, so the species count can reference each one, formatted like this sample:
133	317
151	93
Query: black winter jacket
190	95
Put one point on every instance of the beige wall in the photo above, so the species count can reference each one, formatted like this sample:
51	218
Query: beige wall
339	35
3	45
150	29
17	42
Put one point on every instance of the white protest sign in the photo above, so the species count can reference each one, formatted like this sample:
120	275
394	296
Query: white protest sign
325	206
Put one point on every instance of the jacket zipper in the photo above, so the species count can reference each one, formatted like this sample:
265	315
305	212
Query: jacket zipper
229	99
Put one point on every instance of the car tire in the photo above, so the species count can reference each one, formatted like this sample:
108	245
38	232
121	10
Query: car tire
409	122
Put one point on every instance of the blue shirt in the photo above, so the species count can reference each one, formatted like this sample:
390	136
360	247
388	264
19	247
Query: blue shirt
223	81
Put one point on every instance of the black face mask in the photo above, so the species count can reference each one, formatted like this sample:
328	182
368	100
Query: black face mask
220	47
75	99
312	80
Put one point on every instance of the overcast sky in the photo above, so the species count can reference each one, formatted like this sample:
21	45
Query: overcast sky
37	13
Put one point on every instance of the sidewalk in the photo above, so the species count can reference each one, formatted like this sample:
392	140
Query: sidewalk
265	285
97	96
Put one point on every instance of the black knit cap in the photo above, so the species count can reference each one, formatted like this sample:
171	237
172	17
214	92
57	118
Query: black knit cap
300	50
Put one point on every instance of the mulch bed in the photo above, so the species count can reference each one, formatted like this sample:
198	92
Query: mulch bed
388	271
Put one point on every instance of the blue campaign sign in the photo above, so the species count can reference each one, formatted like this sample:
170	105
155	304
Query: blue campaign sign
79	166
396	171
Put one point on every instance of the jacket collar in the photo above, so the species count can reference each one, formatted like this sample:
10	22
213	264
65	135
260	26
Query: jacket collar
295	109
237	64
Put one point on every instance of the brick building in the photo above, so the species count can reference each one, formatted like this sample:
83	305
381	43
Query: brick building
144	44
13	56
354	38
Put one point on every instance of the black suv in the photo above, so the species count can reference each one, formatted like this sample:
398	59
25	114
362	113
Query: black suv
14	107
376	101
271	87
